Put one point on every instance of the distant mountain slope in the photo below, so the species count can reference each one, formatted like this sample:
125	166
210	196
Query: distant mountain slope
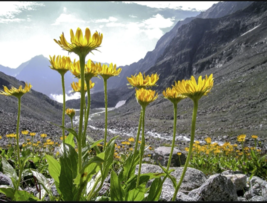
36	109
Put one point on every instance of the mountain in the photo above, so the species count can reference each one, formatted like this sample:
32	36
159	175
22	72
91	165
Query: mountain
37	110
234	49
217	10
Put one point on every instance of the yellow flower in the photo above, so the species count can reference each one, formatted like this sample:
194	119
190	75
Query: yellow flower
76	86
197	142
187	149
254	136
62	137
241	138
131	139
38	142
32	134
106	71
125	142
118	147
90	70
173	95
217	151
60	64
79	44
179	153
25	132
12	135
144	97
100	145
43	135
24	145
150	148
70	112
208	140
195	90
139	141
0	137
16	92
131	149
139	81
149	155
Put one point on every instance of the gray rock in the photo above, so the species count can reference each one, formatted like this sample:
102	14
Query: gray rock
241	199
5	180
181	197
216	188
258	198
161	154
239	180
104	189
257	187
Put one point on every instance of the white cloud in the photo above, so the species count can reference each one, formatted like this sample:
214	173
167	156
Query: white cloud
65	9
67	18
110	19
132	16
59	97
10	9
17	20
182	5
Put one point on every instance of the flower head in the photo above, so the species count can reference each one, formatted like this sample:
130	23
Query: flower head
32	134
25	132
16	92
131	139
106	71
140	81
195	90
43	135
254	137
144	97
70	112
90	70
60	64
76	86
241	138
79	44
173	95
208	140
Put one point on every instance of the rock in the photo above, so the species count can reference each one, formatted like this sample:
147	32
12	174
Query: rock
257	187
258	198
216	188
104	189
5	180
239	180
241	199
181	197
161	155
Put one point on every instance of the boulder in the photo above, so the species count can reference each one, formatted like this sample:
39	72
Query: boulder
161	155
239	180
216	188
5	180
257	187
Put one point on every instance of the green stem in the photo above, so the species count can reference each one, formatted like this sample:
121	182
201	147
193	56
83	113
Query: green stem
18	151
174	134
88	110
82	63
71	123
193	127
136	141
106	113
63	112
142	147
32	143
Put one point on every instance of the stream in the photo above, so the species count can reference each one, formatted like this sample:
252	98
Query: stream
133	131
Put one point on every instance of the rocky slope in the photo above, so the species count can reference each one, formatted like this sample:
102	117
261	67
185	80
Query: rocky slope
37	110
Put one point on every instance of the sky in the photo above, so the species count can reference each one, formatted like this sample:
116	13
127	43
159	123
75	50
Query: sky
130	29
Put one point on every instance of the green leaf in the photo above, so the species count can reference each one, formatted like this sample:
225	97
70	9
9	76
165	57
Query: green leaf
168	174
155	190
10	172
54	167
69	140
7	190
116	191
21	195
95	143
68	173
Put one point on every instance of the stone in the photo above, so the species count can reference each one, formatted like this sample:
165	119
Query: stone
105	188
181	197
239	180
161	155
216	188
5	180
257	187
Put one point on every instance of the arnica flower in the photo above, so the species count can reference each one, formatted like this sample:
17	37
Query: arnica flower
32	134
16	92
43	135
173	95
0	137
90	70
140	81
131	139
254	137
125	142
144	97
106	71
179	153
195	90
208	140
60	138
80	44
241	138
76	86
70	112
60	64
25	132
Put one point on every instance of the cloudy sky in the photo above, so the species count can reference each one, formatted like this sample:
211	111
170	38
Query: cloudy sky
130	29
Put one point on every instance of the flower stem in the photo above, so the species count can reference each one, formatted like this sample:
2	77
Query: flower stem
137	139
142	147
82	63
106	112
174	133
87	111
193	127
71	123
63	112
17	136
